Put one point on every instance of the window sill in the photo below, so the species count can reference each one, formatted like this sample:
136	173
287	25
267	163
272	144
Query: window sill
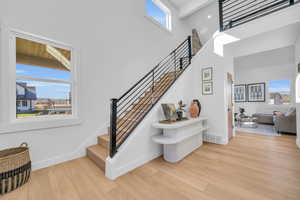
38	124
158	24
284	104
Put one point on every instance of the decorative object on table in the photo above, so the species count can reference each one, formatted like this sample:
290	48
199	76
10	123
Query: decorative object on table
170	111
196	43
242	113
199	106
15	168
207	74
240	93
207	88
256	92
195	109
180	111
248	122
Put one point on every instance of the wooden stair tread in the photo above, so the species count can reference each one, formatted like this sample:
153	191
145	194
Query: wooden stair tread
104	137
103	140
98	154
98	150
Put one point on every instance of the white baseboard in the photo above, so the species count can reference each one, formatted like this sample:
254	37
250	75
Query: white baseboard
211	138
78	153
113	173
56	160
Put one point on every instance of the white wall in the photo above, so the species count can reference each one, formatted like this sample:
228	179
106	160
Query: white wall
205	20
214	106
297	61
263	67
117	45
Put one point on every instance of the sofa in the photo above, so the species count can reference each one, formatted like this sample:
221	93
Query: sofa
263	118
286	122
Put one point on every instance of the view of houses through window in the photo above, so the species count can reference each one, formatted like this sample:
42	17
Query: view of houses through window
280	92
43	79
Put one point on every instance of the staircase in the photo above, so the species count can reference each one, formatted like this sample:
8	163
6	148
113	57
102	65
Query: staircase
131	108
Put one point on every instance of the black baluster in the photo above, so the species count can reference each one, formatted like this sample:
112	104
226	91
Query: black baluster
113	128
221	15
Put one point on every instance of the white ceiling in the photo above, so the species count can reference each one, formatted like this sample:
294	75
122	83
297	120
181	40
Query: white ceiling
275	57
180	3
283	37
188	7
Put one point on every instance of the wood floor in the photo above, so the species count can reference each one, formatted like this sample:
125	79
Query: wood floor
254	167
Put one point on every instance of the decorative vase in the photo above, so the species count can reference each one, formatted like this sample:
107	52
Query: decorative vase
195	109
180	115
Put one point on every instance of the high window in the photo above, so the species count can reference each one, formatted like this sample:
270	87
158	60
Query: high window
280	92
43	79
156	10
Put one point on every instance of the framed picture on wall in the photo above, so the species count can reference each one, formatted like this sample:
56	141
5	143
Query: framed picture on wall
207	74
240	93
207	88
256	92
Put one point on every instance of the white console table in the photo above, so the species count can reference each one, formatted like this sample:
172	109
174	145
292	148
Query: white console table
181	138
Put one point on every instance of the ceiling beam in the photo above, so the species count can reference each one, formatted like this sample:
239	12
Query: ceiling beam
39	61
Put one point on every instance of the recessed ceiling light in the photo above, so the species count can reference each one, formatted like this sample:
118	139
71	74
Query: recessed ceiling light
208	16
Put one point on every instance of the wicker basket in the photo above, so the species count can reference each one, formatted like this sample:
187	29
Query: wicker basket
15	168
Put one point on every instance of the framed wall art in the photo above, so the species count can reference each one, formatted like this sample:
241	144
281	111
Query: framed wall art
256	92
240	93
207	74
207	88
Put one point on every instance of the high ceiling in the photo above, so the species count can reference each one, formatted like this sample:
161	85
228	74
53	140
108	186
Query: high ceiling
268	41
181	3
188	7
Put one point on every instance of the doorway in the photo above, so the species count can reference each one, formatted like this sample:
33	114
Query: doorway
229	89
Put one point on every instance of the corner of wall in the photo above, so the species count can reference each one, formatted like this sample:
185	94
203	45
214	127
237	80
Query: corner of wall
113	172
298	141
79	152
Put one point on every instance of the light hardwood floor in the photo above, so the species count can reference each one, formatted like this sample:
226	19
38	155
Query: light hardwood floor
254	167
